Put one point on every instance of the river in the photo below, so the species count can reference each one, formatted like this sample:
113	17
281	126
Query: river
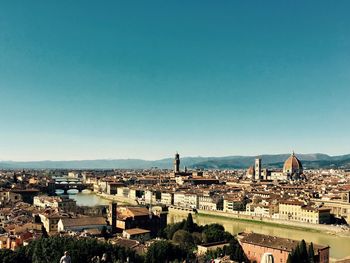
85	198
340	246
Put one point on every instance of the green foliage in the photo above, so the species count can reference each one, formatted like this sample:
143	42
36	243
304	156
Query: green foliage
301	255
104	233
51	249
170	229
189	225
184	239
214	254
215	233
44	232
8	256
234	250
303	251
197	238
164	251
311	253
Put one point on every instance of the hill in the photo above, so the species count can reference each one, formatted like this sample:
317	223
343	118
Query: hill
316	160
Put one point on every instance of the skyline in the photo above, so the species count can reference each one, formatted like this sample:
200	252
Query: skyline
85	81
182	156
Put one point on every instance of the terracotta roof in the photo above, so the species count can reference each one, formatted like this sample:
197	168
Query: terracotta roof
128	243
292	163
136	231
132	212
274	242
83	221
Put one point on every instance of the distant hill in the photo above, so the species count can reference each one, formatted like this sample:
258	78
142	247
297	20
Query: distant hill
316	160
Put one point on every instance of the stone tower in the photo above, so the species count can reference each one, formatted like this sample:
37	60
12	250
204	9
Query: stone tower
257	168
177	163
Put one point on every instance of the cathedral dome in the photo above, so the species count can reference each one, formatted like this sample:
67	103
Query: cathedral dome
292	166
251	171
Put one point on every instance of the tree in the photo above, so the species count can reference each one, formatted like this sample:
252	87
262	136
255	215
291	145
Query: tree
311	253
164	251
189	225
300	254
104	233
303	251
44	232
169	230
197	238
215	233
51	249
184	239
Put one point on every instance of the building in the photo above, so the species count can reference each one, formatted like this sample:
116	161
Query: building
212	203
140	217
138	234
177	163
234	203
4	215
167	198
263	210
14	241
204	248
81	223
293	168
186	200
256	245
63	203
112	187
257	169
298	211
9	197
50	221
150	197
177	171
340	208
251	173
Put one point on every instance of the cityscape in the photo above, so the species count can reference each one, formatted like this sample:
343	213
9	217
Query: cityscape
174	131
133	209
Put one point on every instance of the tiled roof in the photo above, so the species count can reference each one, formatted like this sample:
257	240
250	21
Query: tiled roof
274	242
83	221
136	231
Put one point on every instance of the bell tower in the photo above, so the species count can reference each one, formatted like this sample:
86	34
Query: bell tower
257	169
177	163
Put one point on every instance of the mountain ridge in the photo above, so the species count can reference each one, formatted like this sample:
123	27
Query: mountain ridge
313	160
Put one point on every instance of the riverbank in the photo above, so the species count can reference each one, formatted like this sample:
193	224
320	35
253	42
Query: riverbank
260	222
339	244
122	200
330	229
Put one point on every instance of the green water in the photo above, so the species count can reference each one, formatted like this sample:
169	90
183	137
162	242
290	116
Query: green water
340	246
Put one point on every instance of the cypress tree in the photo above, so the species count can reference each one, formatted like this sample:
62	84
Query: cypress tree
189	225
303	256
311	253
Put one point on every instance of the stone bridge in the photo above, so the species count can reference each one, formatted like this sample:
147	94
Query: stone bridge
71	183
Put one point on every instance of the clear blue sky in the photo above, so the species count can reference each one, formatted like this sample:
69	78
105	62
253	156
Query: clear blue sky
143	79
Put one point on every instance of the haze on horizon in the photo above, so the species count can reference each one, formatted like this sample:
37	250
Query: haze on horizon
86	80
